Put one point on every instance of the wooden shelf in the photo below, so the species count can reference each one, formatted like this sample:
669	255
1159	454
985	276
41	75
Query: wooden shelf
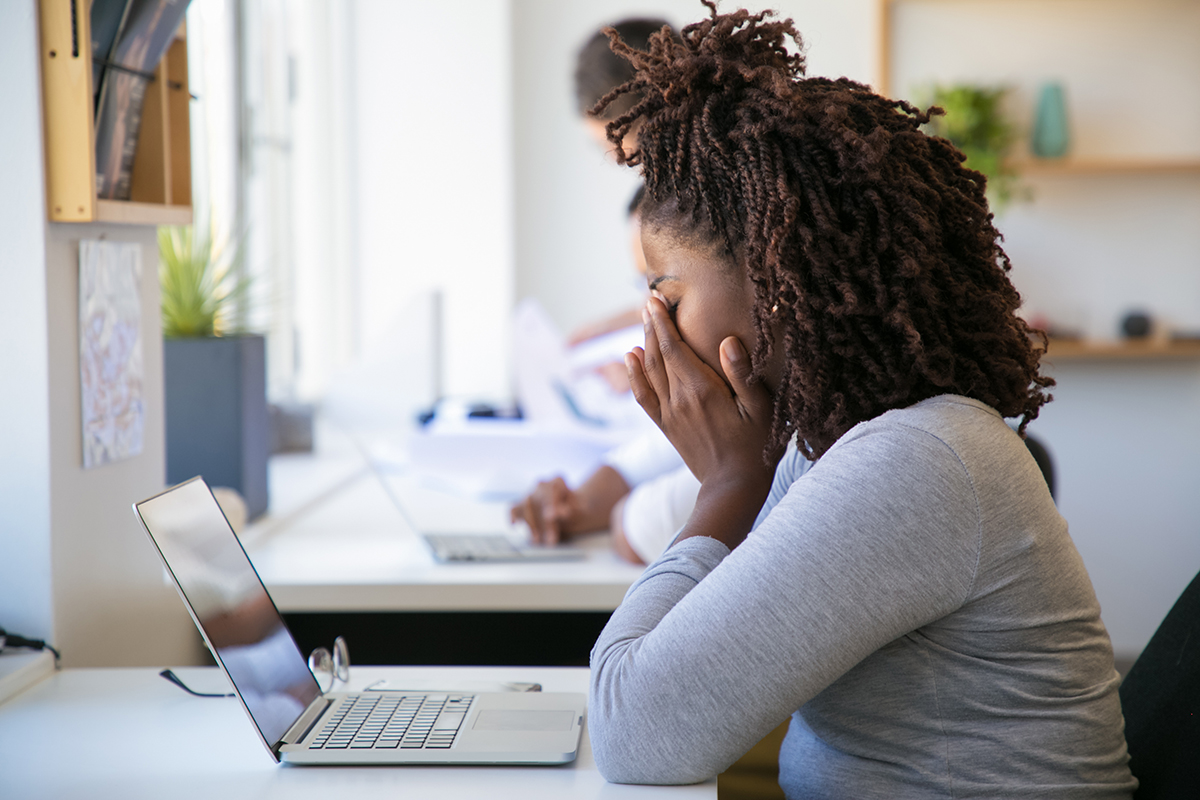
161	191
127	212
1066	350
1107	166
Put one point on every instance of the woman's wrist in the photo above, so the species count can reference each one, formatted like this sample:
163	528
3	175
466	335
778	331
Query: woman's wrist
726	508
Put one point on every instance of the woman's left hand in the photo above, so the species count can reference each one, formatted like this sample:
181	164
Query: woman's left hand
720	429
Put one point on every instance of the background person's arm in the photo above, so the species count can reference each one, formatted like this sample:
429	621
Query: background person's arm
620	539
616	322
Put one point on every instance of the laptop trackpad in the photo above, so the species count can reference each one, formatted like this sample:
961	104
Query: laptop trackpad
515	720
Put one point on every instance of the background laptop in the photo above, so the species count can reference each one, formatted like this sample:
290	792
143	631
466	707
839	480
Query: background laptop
454	547
296	721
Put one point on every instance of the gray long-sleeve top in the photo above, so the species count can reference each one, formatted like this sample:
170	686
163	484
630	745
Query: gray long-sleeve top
913	600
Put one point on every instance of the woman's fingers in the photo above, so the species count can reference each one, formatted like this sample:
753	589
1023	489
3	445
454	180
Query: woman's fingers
676	359
653	366
754	401
643	392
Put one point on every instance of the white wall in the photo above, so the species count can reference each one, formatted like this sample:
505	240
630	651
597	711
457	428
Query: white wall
112	606
26	604
78	571
432	144
1125	438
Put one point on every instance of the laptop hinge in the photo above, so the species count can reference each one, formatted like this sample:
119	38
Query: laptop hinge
307	720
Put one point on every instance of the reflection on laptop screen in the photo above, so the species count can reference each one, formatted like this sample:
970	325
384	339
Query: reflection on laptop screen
230	603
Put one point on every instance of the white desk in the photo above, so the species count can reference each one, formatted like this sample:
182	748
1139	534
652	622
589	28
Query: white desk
129	734
335	541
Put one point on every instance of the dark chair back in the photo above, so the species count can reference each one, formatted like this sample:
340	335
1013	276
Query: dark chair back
1161	700
1042	456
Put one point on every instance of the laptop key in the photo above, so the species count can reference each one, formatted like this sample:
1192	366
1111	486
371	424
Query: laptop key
449	720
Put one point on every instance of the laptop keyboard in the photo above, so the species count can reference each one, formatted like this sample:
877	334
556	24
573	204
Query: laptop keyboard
390	721
471	546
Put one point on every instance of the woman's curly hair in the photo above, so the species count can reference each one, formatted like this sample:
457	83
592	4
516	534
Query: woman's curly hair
870	246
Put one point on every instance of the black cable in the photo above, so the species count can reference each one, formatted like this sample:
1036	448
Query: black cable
173	678
13	640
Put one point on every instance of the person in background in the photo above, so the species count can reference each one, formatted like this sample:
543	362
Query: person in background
630	317
832	345
642	492
598	70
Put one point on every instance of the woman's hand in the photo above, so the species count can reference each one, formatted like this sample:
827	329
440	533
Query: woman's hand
720	427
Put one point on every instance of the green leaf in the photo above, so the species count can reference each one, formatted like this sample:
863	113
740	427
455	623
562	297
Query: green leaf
200	282
975	123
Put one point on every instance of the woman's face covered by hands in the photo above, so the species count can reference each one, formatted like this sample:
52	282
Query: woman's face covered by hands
707	296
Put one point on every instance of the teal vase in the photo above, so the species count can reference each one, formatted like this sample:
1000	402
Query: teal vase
1051	138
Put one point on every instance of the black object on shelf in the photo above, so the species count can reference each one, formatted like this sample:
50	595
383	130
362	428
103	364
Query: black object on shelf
291	427
1136	325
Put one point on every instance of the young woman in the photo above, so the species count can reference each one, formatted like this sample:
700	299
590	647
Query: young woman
828	285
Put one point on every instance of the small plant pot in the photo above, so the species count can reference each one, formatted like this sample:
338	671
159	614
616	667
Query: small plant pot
216	414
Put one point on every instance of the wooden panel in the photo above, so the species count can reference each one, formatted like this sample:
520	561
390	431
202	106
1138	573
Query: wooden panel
67	109
151	176
1154	348
179	122
161	182
883	80
1107	166
127	212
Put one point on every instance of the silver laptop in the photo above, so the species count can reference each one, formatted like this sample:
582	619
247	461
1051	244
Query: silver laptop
459	548
296	721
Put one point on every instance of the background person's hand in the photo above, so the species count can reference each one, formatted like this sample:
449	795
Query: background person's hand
554	512
547	510
616	375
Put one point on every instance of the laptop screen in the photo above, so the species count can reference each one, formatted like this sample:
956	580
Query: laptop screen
231	606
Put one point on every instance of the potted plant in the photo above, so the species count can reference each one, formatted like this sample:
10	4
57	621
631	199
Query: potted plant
976	124
214	371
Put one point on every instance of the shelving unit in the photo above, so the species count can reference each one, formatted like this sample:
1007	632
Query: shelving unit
1072	350
1106	166
162	181
891	68
1026	165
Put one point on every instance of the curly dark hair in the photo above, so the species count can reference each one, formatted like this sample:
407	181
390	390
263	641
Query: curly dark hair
875	261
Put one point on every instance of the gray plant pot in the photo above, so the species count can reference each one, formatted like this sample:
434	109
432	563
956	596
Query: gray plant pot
216	416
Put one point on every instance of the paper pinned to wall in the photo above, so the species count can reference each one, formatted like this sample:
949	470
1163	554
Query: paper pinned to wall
111	373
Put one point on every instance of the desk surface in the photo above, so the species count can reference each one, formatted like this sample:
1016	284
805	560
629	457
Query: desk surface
129	734
335	541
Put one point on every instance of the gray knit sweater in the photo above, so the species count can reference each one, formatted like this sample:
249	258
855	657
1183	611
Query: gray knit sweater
912	600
